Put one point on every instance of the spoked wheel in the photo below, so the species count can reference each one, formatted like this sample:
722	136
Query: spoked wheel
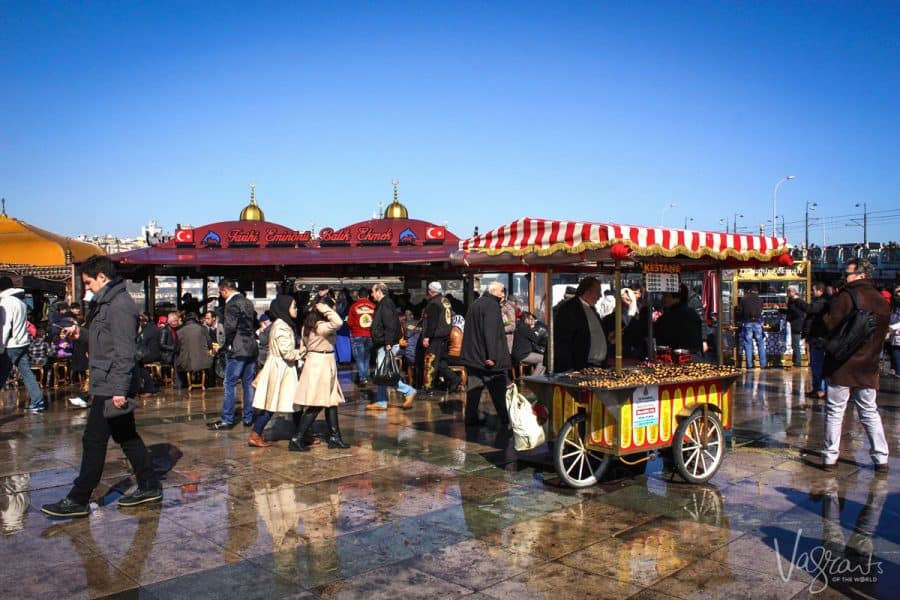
699	447
577	466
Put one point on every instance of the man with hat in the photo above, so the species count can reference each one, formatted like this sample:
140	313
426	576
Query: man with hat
240	354
435	337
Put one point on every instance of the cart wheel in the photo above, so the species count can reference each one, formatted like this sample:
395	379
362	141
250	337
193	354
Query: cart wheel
577	466
699	447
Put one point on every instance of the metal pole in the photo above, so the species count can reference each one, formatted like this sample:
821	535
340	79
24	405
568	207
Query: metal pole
720	355
548	302
618	275
866	230
806	236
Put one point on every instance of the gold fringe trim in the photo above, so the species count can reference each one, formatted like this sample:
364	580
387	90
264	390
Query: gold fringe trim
654	250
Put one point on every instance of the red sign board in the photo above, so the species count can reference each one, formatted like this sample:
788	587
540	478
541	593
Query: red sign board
377	232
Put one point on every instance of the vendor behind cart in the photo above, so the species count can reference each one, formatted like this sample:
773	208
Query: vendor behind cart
679	326
578	337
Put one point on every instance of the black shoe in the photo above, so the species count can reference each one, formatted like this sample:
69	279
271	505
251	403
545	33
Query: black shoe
298	444
37	409
141	497
65	508
334	432
248	423
218	425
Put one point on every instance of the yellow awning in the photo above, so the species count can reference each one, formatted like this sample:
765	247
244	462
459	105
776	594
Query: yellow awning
24	244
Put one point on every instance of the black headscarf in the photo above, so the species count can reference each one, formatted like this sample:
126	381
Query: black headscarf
281	309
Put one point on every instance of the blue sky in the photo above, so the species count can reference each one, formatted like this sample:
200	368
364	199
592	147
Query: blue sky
115	113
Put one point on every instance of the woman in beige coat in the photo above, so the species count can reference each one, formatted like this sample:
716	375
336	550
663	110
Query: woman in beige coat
276	383
318	387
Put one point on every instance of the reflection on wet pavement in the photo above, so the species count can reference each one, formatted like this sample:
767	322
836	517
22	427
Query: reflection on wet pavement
420	506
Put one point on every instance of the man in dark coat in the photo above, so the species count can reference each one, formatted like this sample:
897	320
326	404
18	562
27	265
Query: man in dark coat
485	354
192	353
241	351
857	378
679	326
749	312
436	338
525	344
578	338
111	327
813	331
148	351
386	334
795	315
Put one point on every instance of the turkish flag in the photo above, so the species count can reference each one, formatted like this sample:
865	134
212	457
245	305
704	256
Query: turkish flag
434	233
184	236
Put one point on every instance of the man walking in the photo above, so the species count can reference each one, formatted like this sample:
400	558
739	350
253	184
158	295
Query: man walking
435	338
359	320
112	323
14	342
240	352
386	335
857	378
750	311
485	354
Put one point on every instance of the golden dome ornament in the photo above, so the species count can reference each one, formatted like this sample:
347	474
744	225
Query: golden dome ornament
395	210
252	212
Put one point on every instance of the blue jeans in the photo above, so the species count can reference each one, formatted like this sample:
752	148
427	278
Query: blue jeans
795	344
749	333
817	366
245	370
19	357
381	390
362	351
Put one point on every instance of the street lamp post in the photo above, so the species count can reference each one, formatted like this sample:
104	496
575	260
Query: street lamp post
865	225
687	220
734	228
662	216
725	223
810	206
775	201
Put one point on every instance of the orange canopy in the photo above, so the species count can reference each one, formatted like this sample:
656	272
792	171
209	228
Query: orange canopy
25	244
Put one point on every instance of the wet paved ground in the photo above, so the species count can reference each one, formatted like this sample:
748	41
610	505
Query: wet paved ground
418	507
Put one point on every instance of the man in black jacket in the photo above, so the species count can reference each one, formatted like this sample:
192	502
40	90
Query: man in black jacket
795	315
814	331
386	338
578	338
111	330
435	338
679	326
485	354
525	344
241	351
749	312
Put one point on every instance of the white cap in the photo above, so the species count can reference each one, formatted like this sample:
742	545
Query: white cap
435	287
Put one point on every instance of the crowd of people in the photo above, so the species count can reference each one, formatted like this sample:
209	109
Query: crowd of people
284	360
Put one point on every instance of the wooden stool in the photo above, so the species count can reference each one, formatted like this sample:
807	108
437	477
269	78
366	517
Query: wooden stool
463	376
60	367
39	373
196	379
155	369
519	370
167	374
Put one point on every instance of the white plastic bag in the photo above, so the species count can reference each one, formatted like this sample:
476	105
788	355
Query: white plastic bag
527	432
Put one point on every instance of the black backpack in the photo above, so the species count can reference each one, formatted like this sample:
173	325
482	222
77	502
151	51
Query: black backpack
852	333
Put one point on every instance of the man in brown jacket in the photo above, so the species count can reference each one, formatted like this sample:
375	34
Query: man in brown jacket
858	376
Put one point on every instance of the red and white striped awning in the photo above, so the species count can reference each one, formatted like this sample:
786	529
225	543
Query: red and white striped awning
543	237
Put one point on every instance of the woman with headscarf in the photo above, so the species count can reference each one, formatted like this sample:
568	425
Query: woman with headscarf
318	387
276	383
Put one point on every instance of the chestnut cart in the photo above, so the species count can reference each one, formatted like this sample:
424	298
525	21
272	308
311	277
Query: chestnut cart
629	413
593	422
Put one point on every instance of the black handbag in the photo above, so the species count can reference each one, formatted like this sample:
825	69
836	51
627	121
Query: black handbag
387	372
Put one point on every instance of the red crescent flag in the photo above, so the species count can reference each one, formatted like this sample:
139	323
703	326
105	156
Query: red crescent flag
184	236
434	233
